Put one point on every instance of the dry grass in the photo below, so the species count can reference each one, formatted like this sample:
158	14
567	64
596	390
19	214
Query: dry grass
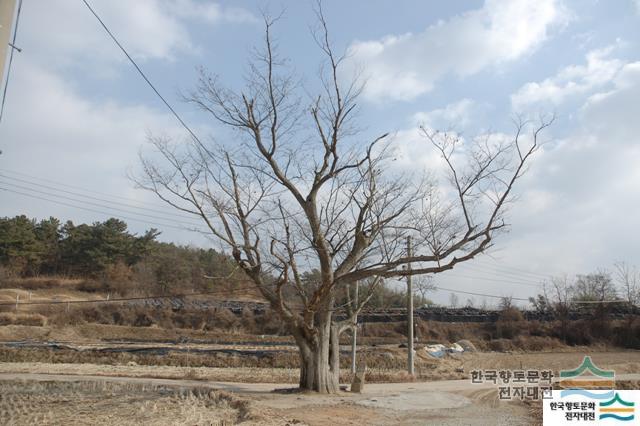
248	374
45	282
10	318
94	333
105	403
382	361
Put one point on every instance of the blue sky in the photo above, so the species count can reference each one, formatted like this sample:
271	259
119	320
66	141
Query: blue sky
77	113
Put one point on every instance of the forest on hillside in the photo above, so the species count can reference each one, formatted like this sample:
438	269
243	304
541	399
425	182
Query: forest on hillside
106	254
109	258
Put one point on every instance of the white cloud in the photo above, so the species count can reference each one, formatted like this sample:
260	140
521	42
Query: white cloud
61	31
52	132
614	113
211	12
455	115
576	204
588	181
406	66
570	81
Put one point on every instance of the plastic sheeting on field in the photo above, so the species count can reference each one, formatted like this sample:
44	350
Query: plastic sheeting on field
439	351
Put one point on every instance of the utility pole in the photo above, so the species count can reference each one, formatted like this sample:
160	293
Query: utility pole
7	11
354	331
409	311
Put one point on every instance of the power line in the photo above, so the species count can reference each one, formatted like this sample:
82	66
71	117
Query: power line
142	74
502	273
522	271
515	282
13	47
487	275
97	204
90	191
200	231
479	294
477	274
95	198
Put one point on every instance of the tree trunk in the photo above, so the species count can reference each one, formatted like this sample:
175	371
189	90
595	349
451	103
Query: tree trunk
320	360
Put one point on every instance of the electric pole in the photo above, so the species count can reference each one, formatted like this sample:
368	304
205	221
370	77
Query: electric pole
409	311
7	11
354	331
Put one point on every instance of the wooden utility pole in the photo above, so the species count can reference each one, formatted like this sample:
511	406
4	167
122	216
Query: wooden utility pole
354	331
7	11
409	312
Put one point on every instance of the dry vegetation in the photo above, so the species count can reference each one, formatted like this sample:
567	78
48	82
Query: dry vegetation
104	403
166	322
385	364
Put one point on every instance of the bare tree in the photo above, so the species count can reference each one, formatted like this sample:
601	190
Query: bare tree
422	286
628	279
296	189
558	299
594	287
506	303
453	300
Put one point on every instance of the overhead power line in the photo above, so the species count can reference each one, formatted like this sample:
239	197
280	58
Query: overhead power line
478	274
504	273
480	294
13	47
119	216
519	270
153	216
144	215
145	204
142	74
473	277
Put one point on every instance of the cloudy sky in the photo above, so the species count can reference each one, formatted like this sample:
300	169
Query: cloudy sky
77	114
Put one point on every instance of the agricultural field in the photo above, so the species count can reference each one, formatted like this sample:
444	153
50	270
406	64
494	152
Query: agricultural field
191	361
106	403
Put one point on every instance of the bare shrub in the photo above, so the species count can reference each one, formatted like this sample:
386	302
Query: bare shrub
537	343
384	329
576	333
627	334
7	318
222	318
90	286
501	345
248	320
270	323
510	323
143	320
117	278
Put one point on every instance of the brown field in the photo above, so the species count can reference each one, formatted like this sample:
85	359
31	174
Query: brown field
105	403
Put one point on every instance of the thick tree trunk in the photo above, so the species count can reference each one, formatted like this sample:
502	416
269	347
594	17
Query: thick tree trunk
320	360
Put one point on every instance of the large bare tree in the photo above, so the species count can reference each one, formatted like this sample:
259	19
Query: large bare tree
307	208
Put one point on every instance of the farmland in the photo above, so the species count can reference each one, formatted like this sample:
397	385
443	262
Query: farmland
201	359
